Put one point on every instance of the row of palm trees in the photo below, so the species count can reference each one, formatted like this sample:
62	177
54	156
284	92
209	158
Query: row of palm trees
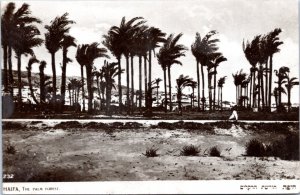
242	80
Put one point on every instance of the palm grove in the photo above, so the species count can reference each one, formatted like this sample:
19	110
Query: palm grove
135	39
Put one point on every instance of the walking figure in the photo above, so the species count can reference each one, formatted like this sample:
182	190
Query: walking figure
234	114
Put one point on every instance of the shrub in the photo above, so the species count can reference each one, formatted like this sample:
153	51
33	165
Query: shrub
190	151
214	151
10	149
12	125
68	124
151	152
255	148
222	124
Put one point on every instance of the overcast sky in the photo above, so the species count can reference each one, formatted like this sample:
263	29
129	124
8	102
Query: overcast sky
235	20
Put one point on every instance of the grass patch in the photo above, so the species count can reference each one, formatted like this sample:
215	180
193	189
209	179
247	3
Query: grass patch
10	149
190	150
151	152
214	151
255	148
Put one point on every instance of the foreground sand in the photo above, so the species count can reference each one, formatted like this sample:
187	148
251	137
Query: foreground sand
55	154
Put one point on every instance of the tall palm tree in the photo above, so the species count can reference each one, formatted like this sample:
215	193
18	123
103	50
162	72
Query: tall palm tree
123	35
68	41
174	51
282	75
154	36
92	52
56	31
291	82
81	58
6	33
110	70
202	49
272	47
212	65
221	83
252	55
23	45
31	61
182	82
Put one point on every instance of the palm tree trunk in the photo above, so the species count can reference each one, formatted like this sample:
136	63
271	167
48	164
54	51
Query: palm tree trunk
179	101
127	82
53	74
108	98
266	85
165	85
251	75
132	87
259	83
262	87
170	87
221	99
140	82
198	84
193	97
253	90
119	85
149	84
98	89
89	88
215	84
209	92
30	86
63	76
145	79
42	86
270	82
203	96
157	94
19	81
289	98
279	91
82	81
5	78
10	72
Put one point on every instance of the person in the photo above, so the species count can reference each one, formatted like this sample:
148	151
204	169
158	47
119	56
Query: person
234	114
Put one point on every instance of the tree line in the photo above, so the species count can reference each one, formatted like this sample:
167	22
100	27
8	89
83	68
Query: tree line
132	38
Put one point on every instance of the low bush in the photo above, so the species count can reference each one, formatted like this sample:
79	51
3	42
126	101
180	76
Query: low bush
255	148
68	124
152	152
10	149
12	125
214	151
190	150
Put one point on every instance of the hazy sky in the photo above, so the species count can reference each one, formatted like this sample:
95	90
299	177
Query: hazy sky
235	20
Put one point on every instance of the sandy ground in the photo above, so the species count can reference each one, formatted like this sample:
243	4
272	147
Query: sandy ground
51	154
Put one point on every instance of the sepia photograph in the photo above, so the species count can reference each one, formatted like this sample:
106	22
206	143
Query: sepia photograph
148	90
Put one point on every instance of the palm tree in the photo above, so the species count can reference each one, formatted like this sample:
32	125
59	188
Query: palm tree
6	36
23	44
221	82
174	51
54	36
276	92
163	61
291	82
122	37
182	82
156	82
281	74
252	55
110	70
31	61
82	60
239	77
212	65
193	85
202	49
154	36
92	52
67	42
272	47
